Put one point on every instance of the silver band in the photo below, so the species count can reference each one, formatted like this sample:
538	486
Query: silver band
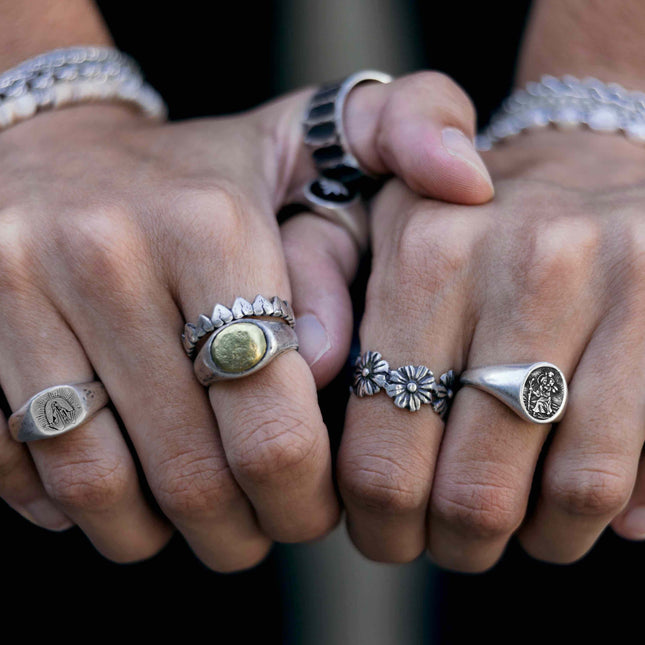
325	131
536	392
249	345
74	75
57	410
410	386
261	306
339	204
567	103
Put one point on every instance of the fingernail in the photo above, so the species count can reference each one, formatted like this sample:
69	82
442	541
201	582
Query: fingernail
43	513
634	523
459	145
313	338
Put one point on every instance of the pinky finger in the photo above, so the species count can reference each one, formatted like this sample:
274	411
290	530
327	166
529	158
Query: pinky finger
21	488
630	524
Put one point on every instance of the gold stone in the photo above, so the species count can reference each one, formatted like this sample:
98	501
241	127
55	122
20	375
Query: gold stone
239	347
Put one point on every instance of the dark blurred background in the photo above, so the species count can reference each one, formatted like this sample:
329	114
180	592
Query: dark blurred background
210	58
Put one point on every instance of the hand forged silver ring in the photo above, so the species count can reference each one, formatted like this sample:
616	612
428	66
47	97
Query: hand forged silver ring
57	410
410	386
537	392
241	308
324	128
242	347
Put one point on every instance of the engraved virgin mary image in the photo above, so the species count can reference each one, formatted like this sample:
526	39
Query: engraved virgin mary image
59	413
541	389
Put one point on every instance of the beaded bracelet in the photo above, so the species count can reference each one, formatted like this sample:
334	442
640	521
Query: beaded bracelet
71	76
568	103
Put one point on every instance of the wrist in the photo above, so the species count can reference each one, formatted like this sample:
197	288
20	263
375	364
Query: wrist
31	28
578	159
573	37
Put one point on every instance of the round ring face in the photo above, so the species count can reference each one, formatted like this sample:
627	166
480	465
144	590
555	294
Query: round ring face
239	347
544	393
56	411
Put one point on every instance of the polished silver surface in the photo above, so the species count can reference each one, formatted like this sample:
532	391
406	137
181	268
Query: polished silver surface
324	128
241	308
339	204
57	410
278	337
74	75
410	386
568	103
537	392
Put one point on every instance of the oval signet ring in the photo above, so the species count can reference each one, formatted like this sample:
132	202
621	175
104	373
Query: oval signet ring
242	347
57	410
537	392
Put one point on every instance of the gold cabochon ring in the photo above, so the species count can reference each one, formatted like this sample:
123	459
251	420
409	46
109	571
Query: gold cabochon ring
242	347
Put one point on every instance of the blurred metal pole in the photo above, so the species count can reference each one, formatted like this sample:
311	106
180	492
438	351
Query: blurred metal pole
322	40
336	596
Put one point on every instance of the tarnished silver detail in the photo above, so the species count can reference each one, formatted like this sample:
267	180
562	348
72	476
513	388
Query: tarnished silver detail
280	337
370	374
537	392
74	75
410	386
337	203
241	308
324	129
568	103
57	410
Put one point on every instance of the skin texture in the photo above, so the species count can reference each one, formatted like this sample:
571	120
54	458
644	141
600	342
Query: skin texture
550	270
113	232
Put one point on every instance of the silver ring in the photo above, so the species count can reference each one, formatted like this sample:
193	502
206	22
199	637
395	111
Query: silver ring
325	131
410	386
242	347
57	410
537	392
261	306
339	204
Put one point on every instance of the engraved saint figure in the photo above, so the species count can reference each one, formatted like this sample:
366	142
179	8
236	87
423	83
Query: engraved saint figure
59	413
541	391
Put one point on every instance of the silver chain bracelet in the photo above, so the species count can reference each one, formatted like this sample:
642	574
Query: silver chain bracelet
566	103
74	75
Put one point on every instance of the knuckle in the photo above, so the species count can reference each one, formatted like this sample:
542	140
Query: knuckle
193	485
446	94
102	243
269	447
14	255
89	485
222	207
485	511
590	492
433	251
380	484
561	250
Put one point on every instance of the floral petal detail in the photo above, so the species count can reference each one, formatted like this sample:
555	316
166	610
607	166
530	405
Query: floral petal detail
401	401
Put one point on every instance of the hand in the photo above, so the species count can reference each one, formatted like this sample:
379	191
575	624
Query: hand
113	232
553	269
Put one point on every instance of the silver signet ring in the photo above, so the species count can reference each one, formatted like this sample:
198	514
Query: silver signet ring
242	347
537	392
57	410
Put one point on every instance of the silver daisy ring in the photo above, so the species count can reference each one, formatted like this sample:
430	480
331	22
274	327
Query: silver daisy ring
410	386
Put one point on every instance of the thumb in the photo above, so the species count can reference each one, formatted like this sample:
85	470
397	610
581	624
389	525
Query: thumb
420	127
